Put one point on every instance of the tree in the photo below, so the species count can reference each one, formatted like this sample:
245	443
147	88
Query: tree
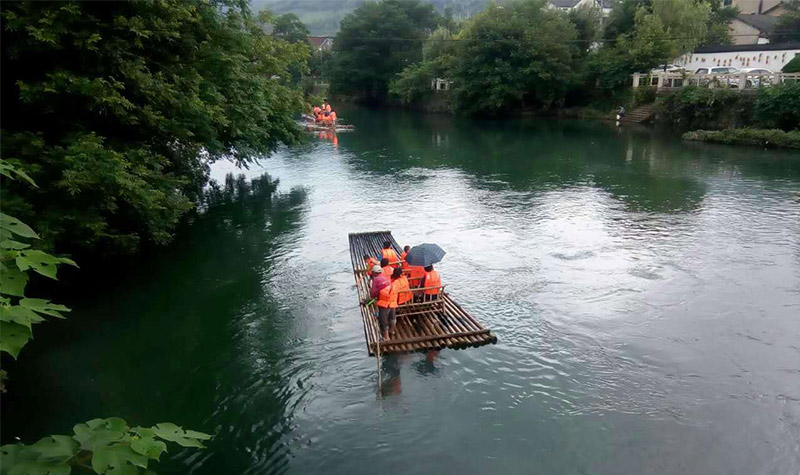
674	27
414	82
788	26
587	21
290	28
375	43
102	445
126	105
517	55
621	20
719	32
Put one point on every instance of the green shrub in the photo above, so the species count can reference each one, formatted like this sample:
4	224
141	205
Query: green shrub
779	106
792	66
704	108
644	95
759	137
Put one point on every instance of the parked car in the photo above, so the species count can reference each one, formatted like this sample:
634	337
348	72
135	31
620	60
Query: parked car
755	77
715	81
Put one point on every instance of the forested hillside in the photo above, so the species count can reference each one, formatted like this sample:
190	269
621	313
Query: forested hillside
323	16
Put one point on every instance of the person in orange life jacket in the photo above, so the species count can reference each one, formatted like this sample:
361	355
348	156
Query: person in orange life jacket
387	269
371	261
403	256
431	279
389	253
400	284
381	290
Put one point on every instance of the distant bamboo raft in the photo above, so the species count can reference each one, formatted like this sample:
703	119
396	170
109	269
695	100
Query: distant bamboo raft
421	326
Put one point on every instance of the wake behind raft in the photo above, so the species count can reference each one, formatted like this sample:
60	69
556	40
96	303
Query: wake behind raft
421	326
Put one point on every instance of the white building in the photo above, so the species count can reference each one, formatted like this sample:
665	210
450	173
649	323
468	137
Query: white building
767	56
603	5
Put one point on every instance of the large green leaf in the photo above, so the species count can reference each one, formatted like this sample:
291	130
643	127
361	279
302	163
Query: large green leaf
16	226
39	261
21	315
40	467
13	337
173	433
149	447
10	455
117	459
11	244
8	170
101	432
56	448
45	307
12	281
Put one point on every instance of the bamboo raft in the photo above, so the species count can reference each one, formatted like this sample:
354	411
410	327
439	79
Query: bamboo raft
421	326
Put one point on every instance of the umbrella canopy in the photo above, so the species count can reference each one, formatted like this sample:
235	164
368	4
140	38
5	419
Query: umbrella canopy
425	255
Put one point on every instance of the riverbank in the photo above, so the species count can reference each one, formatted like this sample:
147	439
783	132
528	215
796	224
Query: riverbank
766	138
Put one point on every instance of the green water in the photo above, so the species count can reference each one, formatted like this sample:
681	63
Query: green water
646	294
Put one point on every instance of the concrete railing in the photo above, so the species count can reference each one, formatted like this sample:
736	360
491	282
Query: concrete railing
740	81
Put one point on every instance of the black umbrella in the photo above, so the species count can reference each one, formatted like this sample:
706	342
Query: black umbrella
424	255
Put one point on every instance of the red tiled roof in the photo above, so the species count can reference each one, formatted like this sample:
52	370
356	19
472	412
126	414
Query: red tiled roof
317	41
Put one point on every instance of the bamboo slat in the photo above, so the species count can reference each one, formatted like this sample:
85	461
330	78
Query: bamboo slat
421	326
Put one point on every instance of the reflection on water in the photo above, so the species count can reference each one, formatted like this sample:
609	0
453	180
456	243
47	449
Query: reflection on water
644	291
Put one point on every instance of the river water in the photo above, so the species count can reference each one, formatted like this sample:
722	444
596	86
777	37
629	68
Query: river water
645	292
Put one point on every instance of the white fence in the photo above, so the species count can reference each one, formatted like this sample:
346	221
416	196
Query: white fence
740	81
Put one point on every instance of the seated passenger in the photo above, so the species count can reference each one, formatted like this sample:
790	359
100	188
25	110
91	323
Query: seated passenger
431	279
400	286
403	256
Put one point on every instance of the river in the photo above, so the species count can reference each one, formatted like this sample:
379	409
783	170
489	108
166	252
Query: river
645	293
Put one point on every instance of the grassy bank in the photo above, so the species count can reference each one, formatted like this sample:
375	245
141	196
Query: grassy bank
760	137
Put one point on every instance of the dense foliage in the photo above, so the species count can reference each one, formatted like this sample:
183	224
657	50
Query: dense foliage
18	261
526	55
651	34
758	137
788	26
375	43
117	108
779	106
290	28
101	445
703	108
792	66
105	446
514	56
438	56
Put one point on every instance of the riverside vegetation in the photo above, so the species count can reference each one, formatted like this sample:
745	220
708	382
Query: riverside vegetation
115	110
526	57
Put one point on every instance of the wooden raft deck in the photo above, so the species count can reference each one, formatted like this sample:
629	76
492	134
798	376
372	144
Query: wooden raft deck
421	326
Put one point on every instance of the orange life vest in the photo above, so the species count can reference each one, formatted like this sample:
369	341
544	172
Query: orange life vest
385	297
432	279
415	275
387	271
401	284
389	254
